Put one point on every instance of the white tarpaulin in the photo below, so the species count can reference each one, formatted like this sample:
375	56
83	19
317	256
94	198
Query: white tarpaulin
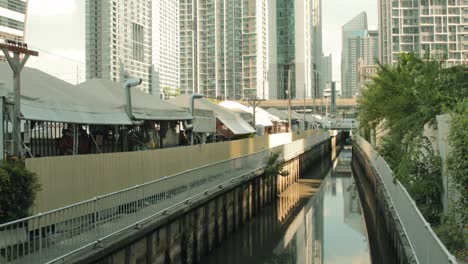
46	98
232	120
260	118
145	106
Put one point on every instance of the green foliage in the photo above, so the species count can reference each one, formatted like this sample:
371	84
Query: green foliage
420	171
451	234
458	158
407	96
401	100
274	166
18	188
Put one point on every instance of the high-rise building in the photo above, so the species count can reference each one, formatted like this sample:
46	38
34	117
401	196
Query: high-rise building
295	48
223	48
359	44
327	73
355	27
12	20
434	29
118	40
166	46
362	49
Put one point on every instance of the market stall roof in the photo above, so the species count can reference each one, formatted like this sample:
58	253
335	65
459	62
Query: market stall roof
204	120
46	98
281	114
260	118
270	116
232	120
145	106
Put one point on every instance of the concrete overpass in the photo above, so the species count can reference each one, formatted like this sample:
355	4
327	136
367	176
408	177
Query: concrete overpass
341	103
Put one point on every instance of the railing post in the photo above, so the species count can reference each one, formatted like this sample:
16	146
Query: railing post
96	218
40	236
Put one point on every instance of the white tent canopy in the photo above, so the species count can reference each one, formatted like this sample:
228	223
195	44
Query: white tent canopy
260	118
232	120
46	98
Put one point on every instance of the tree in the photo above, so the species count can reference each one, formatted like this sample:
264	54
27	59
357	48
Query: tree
402	99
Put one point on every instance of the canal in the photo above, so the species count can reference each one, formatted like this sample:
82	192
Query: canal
317	220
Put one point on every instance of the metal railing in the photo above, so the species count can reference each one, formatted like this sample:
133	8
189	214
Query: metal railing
55	235
426	246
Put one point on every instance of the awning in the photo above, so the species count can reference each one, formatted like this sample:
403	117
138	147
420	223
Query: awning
233	121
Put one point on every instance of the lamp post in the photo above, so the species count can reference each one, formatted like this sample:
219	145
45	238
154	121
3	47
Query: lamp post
254	102
289	100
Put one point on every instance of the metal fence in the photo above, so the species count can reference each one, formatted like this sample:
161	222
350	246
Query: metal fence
426	246
58	234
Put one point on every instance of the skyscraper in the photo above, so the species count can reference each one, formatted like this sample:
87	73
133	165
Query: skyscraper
223	48
435	29
12	20
118	40
327	73
166	45
355	27
295	47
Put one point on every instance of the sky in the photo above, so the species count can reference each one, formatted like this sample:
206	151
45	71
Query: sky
56	29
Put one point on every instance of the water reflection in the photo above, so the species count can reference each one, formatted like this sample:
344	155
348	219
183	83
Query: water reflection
319	220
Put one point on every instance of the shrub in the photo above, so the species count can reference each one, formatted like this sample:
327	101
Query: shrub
274	166
18	189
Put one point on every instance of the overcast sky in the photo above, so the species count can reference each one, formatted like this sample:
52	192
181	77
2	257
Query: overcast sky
56	29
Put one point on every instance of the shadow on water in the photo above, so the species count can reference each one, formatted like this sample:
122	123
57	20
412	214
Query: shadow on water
317	220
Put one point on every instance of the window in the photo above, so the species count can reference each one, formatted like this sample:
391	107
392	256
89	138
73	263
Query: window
137	37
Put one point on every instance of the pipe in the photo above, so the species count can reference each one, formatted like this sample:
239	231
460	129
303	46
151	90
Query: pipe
192	101
128	95
128	99
187	125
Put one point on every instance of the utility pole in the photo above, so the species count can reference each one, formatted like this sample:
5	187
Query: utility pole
254	102
304	106
16	63
289	100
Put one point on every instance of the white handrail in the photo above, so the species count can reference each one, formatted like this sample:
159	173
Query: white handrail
426	246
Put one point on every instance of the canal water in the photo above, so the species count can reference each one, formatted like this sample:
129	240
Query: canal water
318	220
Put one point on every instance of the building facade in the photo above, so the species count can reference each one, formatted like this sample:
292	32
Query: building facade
295	30
119	40
165	19
12	20
223	48
431	29
327	73
365	75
